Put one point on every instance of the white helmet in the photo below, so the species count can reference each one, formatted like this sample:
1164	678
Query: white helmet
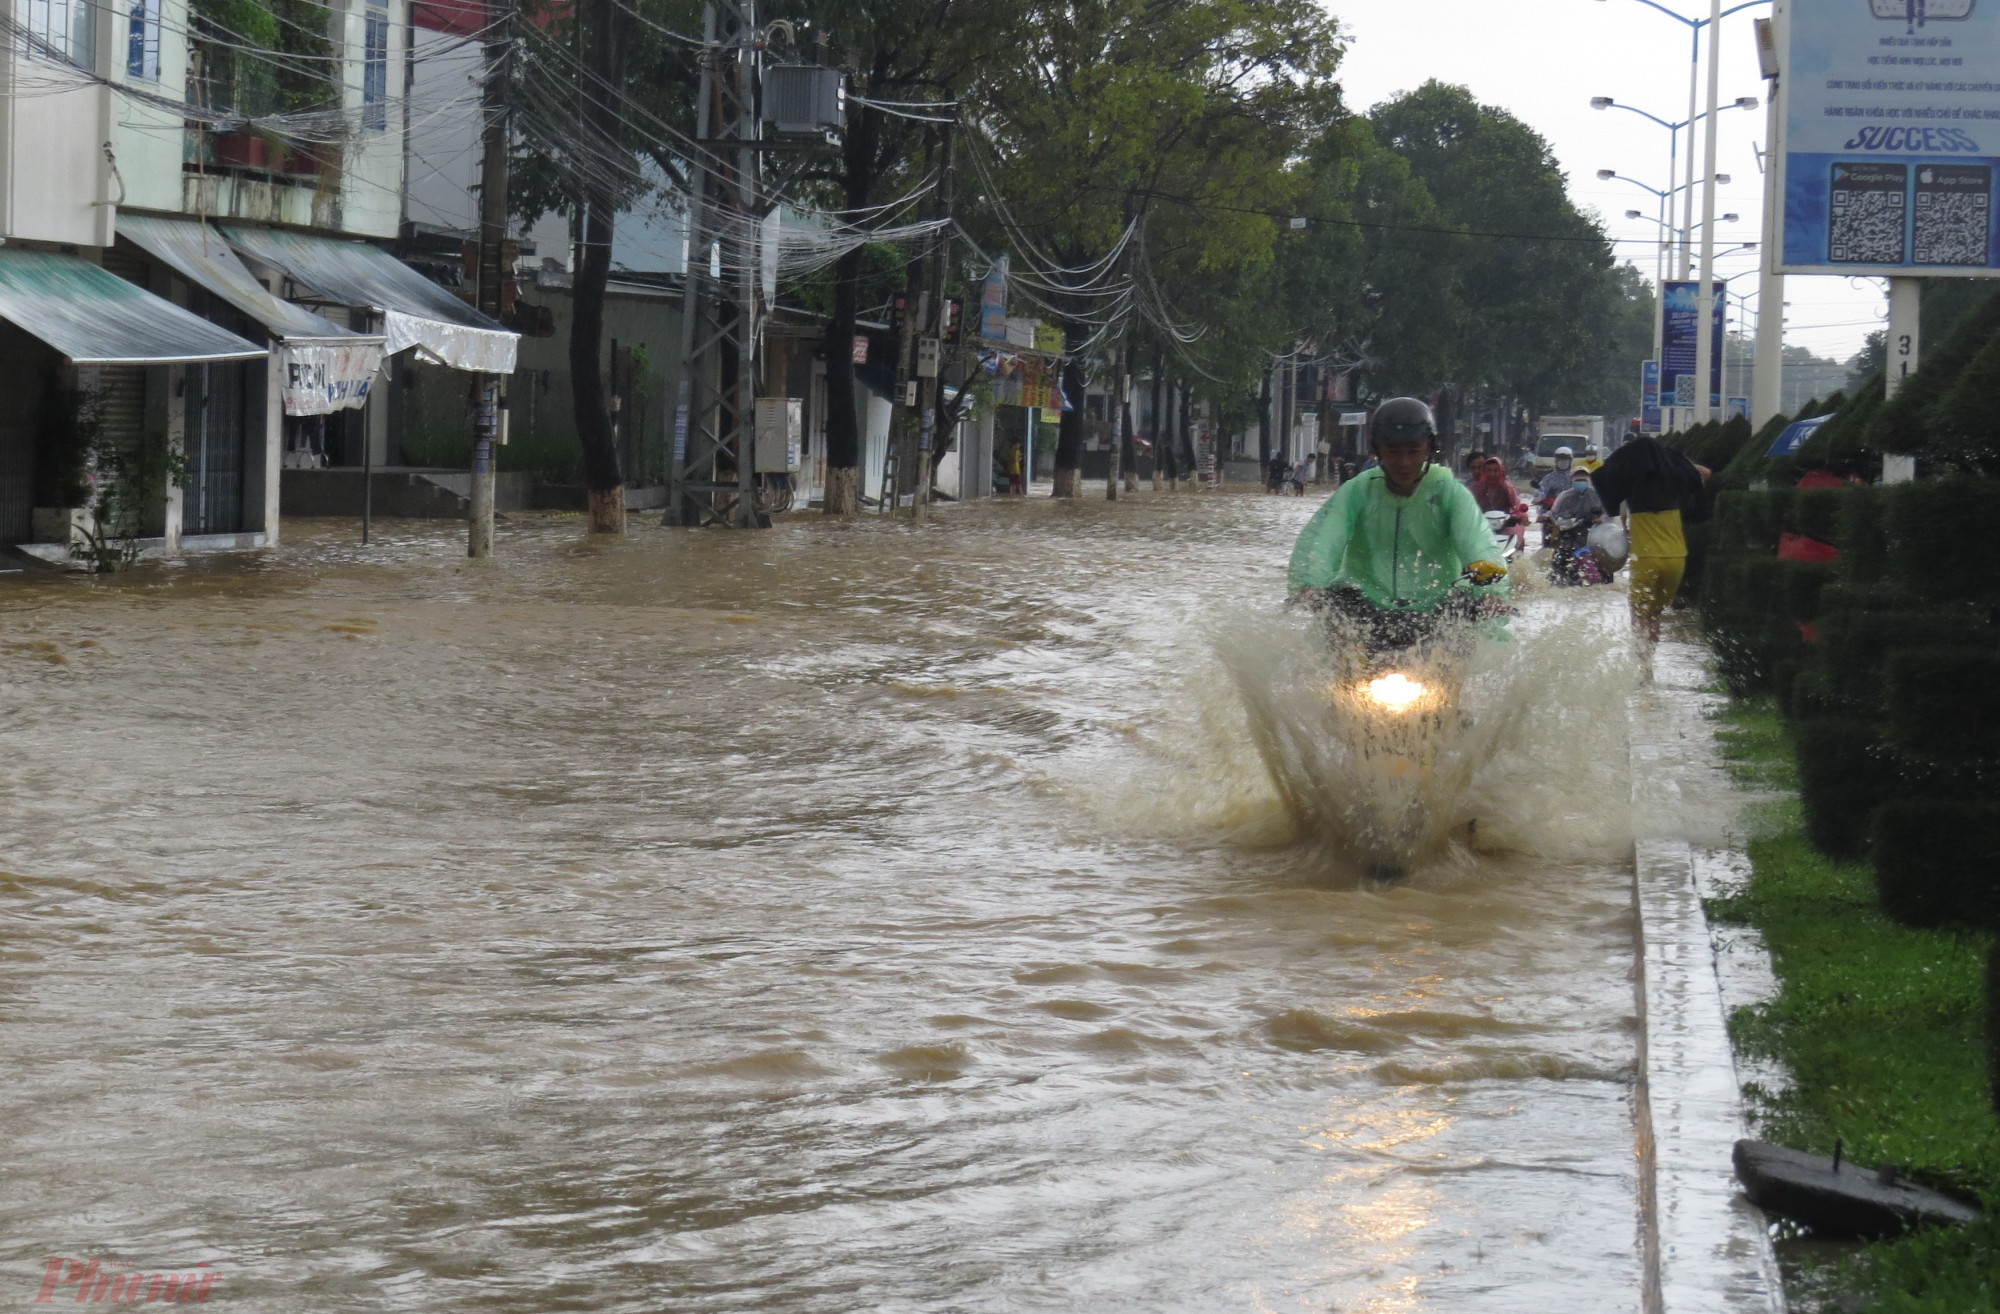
1564	451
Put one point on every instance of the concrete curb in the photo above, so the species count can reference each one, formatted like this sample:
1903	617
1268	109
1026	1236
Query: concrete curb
1707	1250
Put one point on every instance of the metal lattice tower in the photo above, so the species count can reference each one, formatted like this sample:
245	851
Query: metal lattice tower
722	318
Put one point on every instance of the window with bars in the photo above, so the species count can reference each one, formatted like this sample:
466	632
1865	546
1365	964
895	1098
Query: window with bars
59	29
142	40
375	68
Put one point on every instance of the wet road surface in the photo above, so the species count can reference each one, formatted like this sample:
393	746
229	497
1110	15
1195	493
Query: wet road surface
848	917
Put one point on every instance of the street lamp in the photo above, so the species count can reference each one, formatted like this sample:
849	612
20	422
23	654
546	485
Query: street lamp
1673	157
1705	296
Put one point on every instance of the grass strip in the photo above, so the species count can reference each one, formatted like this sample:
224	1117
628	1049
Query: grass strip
1882	1029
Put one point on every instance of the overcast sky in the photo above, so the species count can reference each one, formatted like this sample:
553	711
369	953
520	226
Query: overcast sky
1543	60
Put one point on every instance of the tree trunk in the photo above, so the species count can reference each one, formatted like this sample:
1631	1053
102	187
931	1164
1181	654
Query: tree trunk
1264	428
1161	459
602	477
843	424
1069	434
1119	404
1185	463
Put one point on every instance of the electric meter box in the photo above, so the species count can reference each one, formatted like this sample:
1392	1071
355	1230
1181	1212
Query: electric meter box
805	100
780	432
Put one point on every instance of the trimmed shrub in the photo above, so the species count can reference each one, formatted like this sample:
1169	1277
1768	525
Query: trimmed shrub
1749	462
1785	676
1802	583
1902	425
1854	644
1842	443
1864	542
1938	863
1815	512
1944	703
1843	777
1993	1021
1944	537
1813	697
1965	425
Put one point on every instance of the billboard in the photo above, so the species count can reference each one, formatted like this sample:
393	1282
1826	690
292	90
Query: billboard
1679	345
1649	396
1892	137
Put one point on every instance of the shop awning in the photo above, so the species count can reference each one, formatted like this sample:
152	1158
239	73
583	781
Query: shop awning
326	368
415	311
94	317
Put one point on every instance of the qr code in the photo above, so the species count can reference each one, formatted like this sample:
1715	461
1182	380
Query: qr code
1953	223
1866	227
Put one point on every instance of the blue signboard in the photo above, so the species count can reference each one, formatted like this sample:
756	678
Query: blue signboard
1788	440
1737	406
1649	397
1892	123
1679	345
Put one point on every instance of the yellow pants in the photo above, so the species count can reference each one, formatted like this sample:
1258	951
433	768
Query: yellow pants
1655	580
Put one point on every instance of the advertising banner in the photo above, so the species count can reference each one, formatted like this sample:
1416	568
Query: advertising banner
325	376
1649	396
993	303
1892	120
1679	347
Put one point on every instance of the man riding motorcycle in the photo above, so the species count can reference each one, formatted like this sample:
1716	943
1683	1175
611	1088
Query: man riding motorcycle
1402	545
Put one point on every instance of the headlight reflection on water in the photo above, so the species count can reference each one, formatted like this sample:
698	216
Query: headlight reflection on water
1396	692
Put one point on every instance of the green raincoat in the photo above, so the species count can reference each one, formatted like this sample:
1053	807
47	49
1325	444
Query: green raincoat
1403	552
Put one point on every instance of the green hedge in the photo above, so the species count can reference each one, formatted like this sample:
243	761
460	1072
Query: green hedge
1938	863
1902	425
1864	545
1843	777
1944	537
1944	703
1854	644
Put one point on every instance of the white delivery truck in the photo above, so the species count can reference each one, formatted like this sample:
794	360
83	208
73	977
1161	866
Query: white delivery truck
1575	432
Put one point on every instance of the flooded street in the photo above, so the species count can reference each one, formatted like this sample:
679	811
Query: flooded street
850	917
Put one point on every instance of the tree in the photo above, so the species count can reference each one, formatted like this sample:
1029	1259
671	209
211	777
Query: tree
1540	304
1139	149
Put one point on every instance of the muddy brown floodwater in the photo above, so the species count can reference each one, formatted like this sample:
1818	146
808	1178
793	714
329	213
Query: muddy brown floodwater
849	917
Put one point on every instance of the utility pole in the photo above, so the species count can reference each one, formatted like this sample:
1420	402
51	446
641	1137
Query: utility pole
937	319
1121	430
713	478
1768	365
489	423
1704	302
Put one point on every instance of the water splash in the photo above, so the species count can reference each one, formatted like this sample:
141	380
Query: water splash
1527	756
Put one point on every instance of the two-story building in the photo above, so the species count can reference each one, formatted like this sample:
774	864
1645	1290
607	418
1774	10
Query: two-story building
195	290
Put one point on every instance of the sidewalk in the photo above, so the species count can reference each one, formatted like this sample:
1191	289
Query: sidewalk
1707	1248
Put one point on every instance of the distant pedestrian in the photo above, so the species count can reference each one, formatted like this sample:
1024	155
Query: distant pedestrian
1660	490
1475	462
1017	474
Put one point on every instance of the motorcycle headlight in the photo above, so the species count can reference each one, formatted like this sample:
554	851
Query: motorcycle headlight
1396	692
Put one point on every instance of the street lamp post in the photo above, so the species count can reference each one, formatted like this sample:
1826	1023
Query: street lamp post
1705	295
1704	301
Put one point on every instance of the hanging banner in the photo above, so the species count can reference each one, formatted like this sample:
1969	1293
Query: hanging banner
324	377
1892	123
993	303
1679	347
1649	397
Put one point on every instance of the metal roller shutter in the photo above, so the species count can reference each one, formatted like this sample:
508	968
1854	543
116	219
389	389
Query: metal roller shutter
25	369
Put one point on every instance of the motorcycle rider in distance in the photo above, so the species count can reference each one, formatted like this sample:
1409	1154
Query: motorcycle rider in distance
1573	515
1403	544
1495	492
1556	482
